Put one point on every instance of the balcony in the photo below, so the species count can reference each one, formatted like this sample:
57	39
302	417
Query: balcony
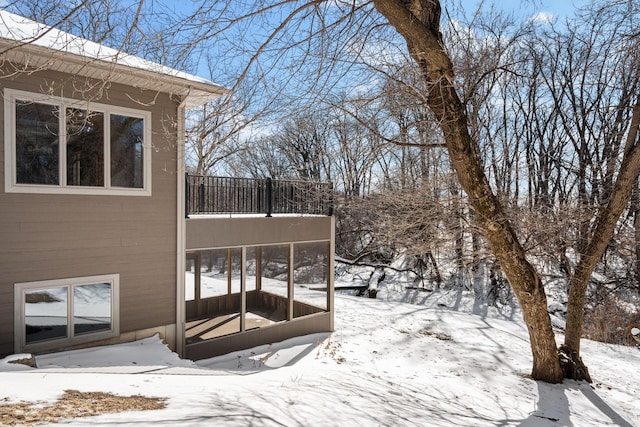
256	279
223	195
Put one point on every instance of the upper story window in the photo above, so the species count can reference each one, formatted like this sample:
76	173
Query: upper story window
56	145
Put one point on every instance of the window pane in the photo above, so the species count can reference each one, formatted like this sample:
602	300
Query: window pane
91	308
273	282
215	273
234	274
190	279
275	270
85	148
251	270
310	277
37	153
127	135
45	314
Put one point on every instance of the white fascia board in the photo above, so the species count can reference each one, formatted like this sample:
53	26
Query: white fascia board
37	45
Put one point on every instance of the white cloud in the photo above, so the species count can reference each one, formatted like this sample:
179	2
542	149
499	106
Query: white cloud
543	17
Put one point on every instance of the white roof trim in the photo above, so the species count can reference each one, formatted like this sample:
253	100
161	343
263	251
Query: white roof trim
31	43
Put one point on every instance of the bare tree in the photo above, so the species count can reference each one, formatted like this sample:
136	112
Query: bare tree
215	133
419	23
594	137
304	141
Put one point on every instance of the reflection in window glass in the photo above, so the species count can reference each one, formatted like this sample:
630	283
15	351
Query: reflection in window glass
63	312
85	147
275	269
91	308
310	273
127	136
37	151
45	314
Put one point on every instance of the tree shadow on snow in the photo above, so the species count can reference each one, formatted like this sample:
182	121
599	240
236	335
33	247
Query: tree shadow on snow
553	405
267	357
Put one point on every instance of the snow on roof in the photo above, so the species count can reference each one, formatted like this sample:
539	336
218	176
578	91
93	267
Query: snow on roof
32	43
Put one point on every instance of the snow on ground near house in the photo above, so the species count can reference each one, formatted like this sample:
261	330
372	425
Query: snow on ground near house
388	363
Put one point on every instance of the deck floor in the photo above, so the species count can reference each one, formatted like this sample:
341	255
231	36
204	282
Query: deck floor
208	328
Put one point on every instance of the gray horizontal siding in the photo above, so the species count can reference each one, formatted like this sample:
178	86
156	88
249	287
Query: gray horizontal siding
53	236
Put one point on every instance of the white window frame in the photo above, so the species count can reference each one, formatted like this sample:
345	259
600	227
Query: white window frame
20	292
10	172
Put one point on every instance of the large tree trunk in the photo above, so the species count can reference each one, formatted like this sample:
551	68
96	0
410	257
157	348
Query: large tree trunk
605	225
635	211
418	21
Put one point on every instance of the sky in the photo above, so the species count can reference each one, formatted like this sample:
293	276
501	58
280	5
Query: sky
555	7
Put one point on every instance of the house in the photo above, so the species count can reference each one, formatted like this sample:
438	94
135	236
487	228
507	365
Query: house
102	237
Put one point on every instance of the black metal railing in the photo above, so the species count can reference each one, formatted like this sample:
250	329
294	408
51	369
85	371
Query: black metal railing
216	195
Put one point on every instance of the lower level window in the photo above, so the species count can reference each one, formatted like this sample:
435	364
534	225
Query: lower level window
57	313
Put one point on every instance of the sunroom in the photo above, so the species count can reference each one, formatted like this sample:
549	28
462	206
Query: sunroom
259	262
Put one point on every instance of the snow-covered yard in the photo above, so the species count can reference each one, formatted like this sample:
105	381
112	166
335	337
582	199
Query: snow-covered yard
407	358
